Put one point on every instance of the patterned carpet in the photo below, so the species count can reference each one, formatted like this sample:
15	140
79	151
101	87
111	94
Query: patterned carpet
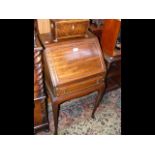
75	116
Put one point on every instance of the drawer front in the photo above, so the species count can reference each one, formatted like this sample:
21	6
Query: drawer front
69	30
79	86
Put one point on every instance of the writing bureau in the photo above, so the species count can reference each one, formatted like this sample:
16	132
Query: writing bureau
73	68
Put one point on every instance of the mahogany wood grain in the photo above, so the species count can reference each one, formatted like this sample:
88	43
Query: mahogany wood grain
73	68
69	64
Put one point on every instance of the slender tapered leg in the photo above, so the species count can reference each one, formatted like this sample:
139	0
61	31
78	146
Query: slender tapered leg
55	108
99	97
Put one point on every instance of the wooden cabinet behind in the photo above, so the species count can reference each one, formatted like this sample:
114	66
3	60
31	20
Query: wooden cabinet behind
43	26
40	104
110	33
110	40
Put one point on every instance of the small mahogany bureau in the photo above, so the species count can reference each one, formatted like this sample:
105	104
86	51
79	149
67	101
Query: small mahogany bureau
73	68
40	104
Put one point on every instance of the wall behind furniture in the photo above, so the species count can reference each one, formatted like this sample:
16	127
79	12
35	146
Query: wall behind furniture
43	25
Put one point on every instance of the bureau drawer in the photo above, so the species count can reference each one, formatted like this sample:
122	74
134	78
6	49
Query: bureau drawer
79	86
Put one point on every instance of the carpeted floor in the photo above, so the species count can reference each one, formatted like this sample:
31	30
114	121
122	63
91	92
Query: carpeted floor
75	116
